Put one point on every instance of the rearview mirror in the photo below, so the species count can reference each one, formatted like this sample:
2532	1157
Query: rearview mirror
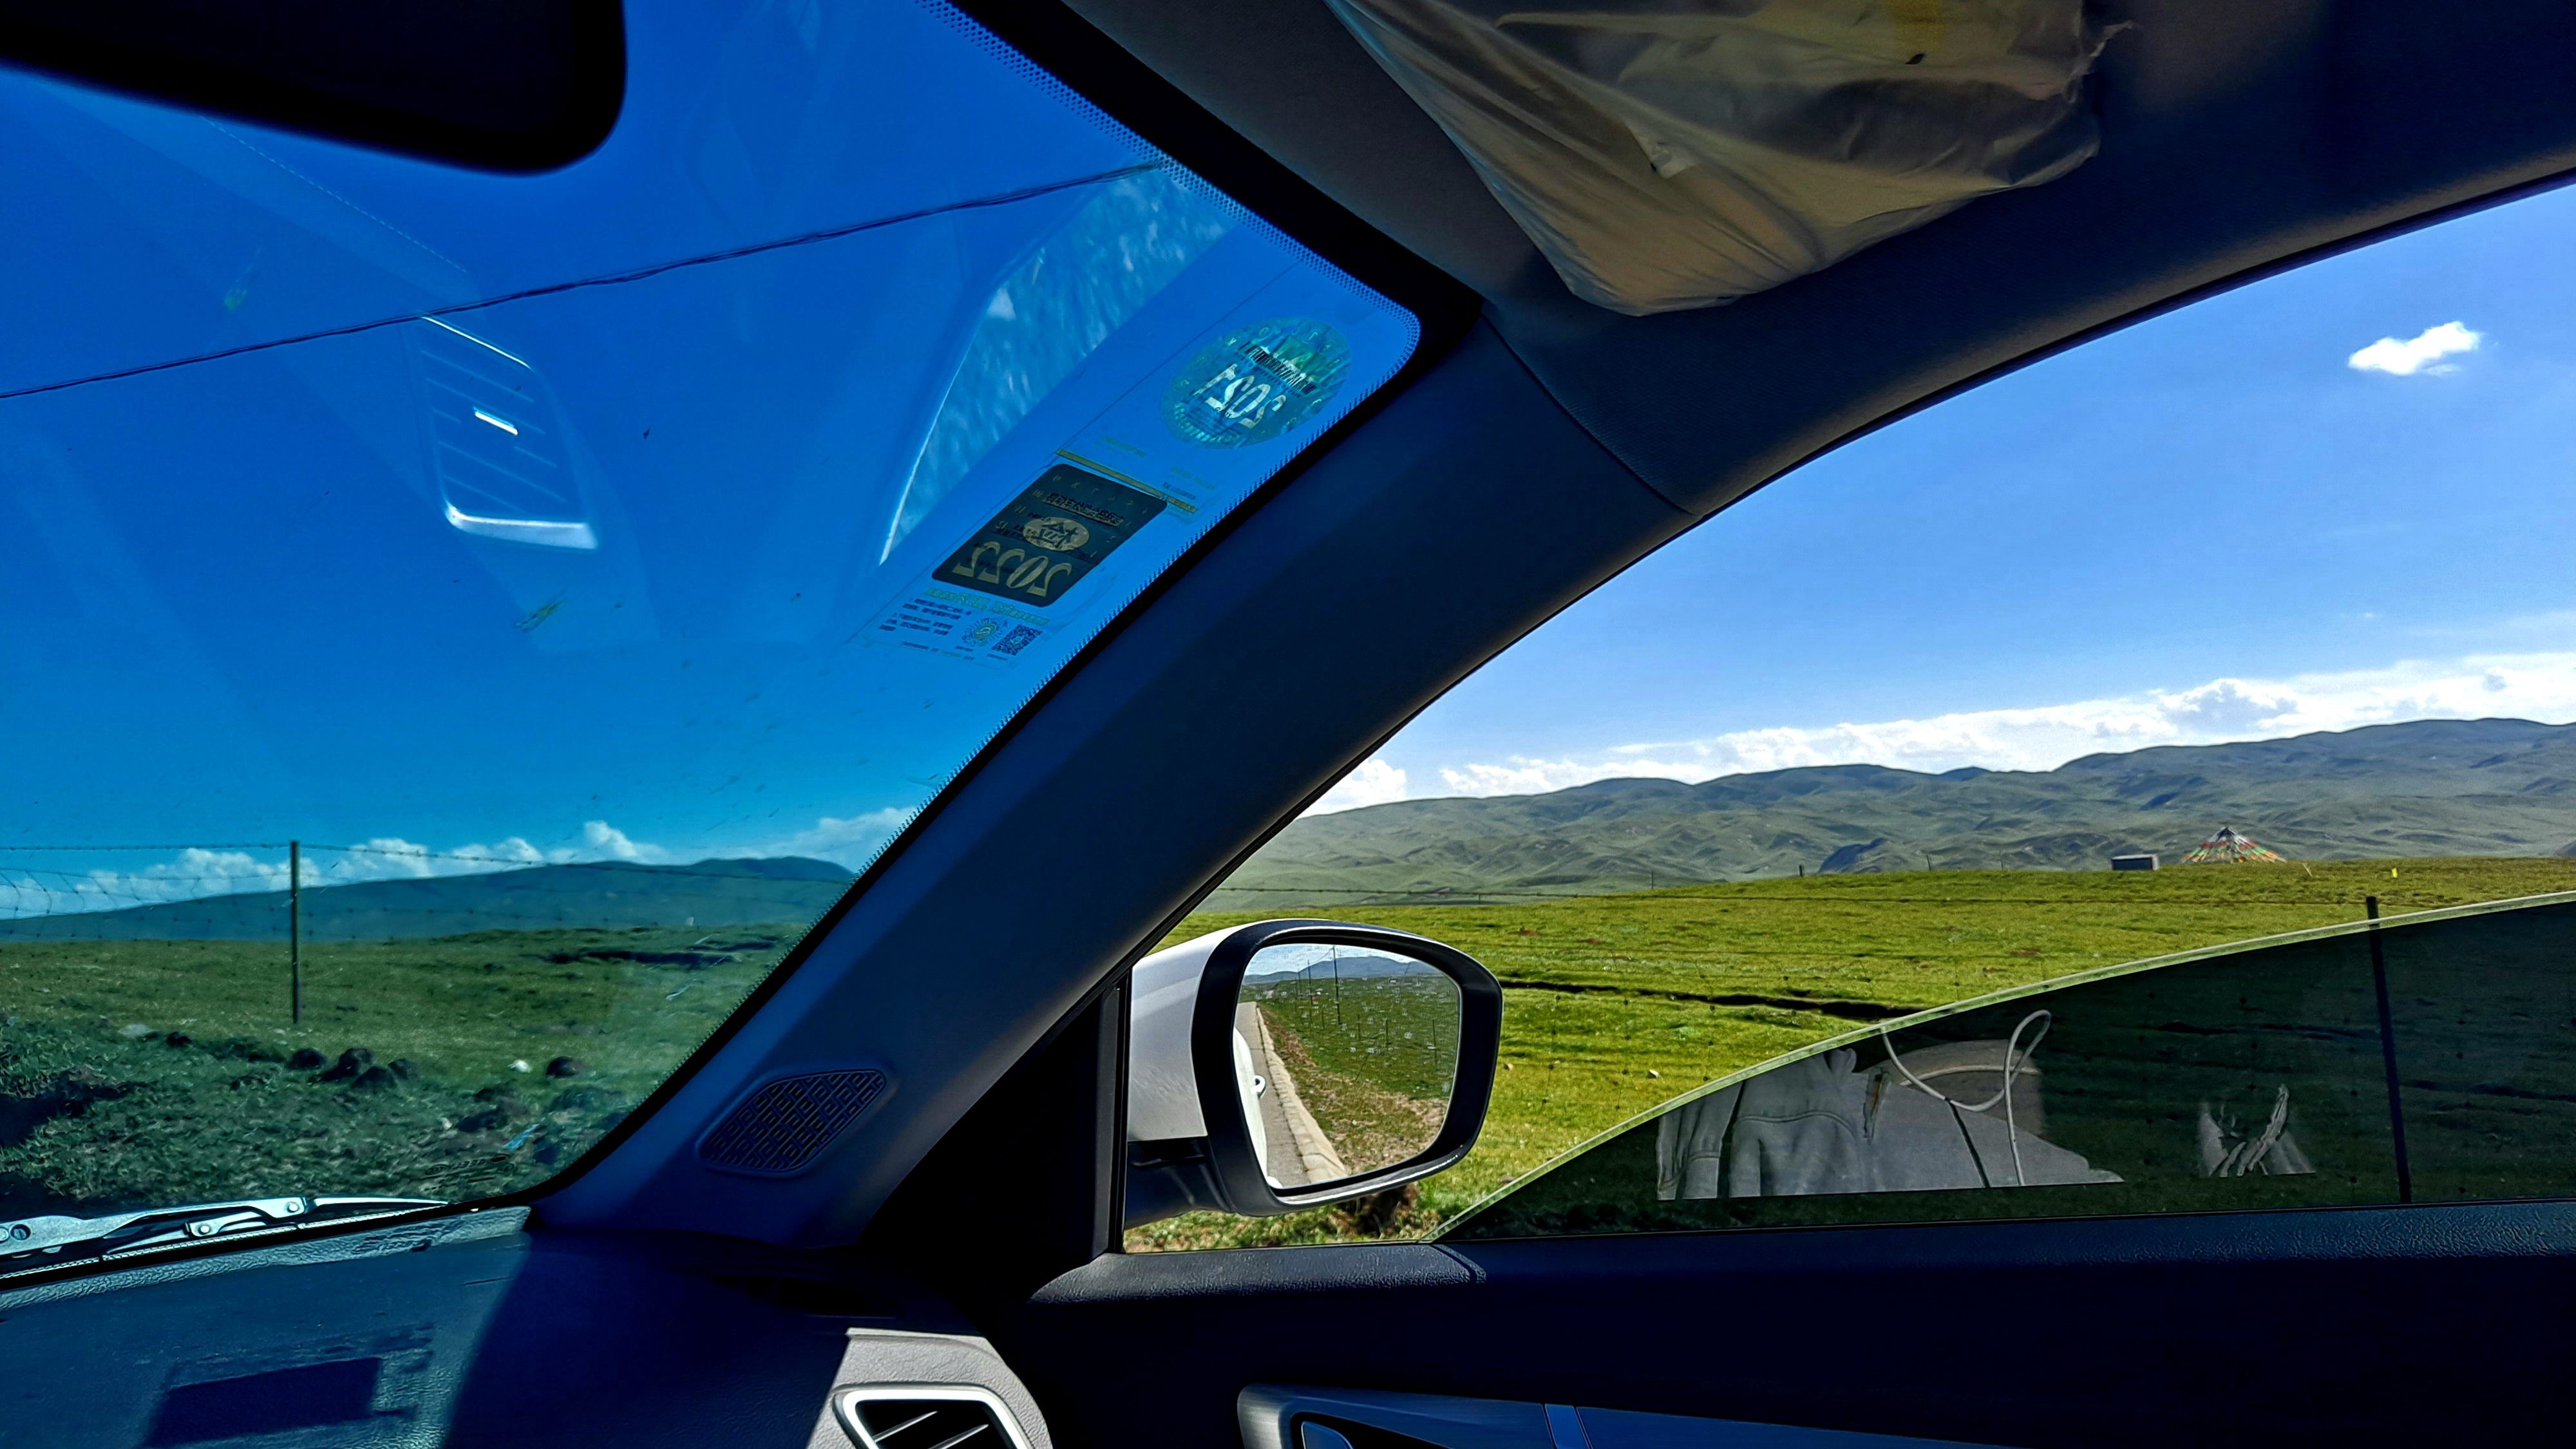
1286	1064
504	85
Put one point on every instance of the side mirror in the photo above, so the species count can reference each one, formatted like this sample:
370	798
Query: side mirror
1285	1064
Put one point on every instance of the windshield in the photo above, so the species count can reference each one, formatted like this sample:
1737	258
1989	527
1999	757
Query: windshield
463	631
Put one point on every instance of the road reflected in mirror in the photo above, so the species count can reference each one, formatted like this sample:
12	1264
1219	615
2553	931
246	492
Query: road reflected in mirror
1346	1058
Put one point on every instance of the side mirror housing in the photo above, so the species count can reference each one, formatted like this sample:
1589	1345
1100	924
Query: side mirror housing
1286	1064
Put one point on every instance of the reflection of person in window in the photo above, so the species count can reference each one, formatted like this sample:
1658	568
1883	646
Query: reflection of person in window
2229	1148
1829	1124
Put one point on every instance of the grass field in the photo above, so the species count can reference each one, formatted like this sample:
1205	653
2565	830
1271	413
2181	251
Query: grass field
160	1071
1614	1004
156	1072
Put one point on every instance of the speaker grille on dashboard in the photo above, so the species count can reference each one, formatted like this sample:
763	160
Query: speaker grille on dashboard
782	1126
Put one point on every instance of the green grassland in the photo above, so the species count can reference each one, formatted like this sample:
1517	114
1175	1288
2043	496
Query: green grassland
155	1072
1614	1004
158	1071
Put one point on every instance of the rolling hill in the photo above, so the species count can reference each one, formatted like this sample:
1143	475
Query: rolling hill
2491	787
607	895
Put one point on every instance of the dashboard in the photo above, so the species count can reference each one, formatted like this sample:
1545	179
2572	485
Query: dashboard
473	1330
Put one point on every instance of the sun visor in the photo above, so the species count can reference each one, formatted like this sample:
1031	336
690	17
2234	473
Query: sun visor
1678	155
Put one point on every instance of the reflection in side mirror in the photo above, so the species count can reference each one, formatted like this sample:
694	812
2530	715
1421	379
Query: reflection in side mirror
1286	1064
1348	1057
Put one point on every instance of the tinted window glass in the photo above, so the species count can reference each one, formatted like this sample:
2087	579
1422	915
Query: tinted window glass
2485	1032
2254	1078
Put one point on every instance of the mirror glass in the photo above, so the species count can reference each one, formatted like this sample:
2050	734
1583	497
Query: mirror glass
1345	1056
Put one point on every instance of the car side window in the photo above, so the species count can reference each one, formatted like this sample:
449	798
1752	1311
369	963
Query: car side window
2417	1061
2141	783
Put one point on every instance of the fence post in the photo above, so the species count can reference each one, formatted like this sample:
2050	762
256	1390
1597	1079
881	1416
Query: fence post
295	932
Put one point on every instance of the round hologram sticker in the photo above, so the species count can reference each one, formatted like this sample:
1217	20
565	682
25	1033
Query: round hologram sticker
1256	384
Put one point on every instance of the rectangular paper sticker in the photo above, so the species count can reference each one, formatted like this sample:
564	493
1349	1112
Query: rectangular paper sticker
1044	542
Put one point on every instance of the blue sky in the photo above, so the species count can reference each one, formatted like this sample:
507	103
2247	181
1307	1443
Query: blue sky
236	614
2217	524
282	593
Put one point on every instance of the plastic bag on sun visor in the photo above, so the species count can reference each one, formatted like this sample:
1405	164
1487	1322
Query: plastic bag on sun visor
1676	155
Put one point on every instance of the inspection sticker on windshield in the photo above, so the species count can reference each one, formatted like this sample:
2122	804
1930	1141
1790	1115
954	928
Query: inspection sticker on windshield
1056	531
1258	383
988	600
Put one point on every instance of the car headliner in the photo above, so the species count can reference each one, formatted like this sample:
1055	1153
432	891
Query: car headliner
1552	445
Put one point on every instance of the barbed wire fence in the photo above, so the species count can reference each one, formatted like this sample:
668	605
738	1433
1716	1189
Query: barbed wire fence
1737	892
226	892
295	893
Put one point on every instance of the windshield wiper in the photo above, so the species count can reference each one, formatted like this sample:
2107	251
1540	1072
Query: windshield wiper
44	1242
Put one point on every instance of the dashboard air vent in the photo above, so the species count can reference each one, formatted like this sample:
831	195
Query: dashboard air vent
905	1416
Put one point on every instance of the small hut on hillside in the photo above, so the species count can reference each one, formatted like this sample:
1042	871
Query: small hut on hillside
2230	847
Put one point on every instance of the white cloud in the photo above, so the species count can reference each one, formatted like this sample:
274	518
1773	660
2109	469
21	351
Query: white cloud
191	871
509	852
603	841
852	842
198	872
1374	782
390	857
2421	353
2527	686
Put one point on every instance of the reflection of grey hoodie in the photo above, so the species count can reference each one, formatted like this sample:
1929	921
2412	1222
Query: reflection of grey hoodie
1825	1125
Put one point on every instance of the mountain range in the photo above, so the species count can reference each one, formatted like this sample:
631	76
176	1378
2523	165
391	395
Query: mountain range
2424	788
603	896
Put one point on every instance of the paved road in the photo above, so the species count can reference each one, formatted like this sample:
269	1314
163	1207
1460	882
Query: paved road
1298	1153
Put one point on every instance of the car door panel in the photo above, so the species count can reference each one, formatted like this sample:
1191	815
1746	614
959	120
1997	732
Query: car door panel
2342	1326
